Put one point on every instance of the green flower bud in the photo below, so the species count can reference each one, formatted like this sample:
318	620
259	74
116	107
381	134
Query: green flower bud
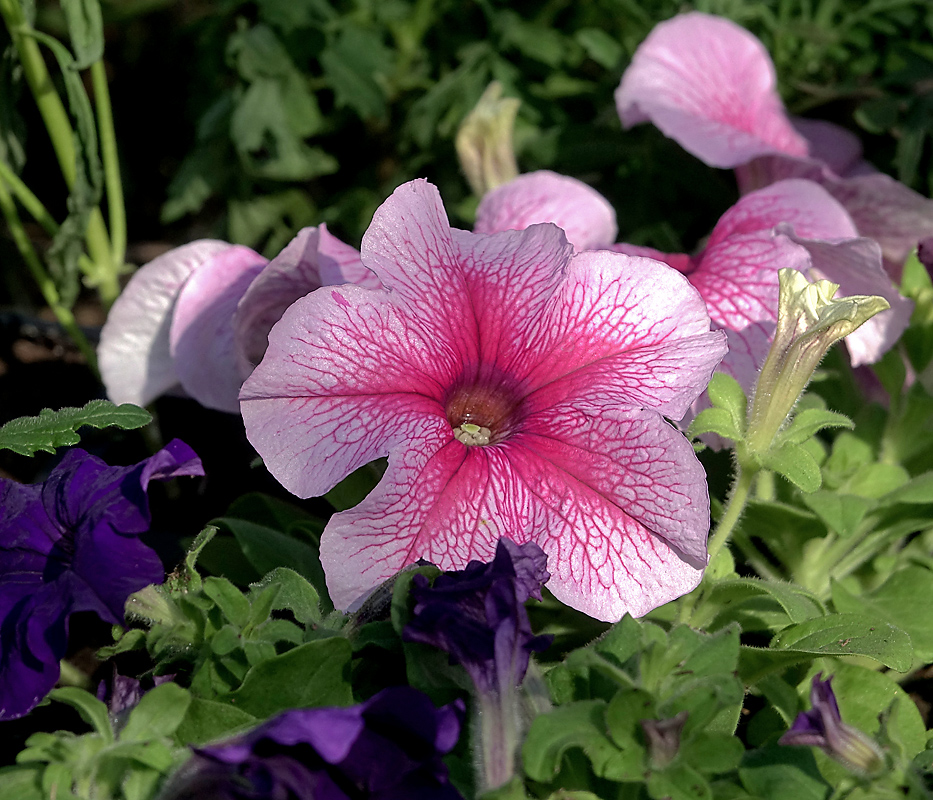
484	141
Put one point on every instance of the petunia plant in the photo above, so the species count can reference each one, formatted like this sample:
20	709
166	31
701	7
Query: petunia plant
518	504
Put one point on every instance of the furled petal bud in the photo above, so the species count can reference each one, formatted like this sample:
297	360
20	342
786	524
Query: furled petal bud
663	737
823	727
809	322
484	141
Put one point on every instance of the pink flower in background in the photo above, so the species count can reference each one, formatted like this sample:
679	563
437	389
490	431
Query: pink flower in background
798	225
709	85
517	389
195	319
793	223
586	217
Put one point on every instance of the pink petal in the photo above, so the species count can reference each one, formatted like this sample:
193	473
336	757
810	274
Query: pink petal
201	338
887	211
456	284
809	208
617	501
836	147
856	266
709	85
135	361
584	215
679	261
345	378
623	330
314	258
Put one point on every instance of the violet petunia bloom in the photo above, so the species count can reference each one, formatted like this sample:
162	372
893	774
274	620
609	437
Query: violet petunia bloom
478	616
387	748
72	544
709	84
517	389
822	727
196	319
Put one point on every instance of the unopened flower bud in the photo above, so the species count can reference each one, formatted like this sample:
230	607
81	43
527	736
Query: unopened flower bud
484	141
823	727
810	321
663	737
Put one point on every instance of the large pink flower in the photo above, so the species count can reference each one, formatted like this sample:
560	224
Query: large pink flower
709	85
195	319
517	389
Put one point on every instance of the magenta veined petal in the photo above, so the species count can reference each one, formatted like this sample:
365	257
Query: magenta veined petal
314	258
480	371
201	337
710	85
617	502
135	359
585	216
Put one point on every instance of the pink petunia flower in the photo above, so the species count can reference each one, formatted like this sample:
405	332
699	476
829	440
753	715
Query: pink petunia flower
793	223
709	84
517	389
195	320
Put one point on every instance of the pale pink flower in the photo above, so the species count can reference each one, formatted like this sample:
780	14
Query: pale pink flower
194	320
517	389
793	223
709	85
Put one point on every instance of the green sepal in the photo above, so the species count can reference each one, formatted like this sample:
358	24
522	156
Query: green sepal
810	421
794	462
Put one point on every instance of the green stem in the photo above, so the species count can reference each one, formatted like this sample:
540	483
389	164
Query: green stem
58	125
43	279
108	151
736	505
29	201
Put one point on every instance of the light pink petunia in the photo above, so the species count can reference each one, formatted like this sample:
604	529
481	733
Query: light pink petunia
196	319
586	217
798	225
517	389
709	85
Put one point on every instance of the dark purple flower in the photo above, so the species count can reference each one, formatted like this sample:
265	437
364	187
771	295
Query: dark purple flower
389	747
123	693
822	727
477	615
72	544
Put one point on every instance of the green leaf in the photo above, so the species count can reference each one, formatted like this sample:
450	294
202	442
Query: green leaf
206	720
714	420
576	725
603	48
796	464
905	599
679	782
842	513
85	29
917	490
52	429
810	421
159	713
799	604
352	65
849	634
314	674
295	594
726	392
230	600
777	772
22	782
92	710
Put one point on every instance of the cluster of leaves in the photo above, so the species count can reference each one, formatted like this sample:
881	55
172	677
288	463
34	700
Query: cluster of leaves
315	111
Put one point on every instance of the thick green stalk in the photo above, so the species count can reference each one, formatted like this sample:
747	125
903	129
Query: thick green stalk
744	478
43	279
27	199
108	150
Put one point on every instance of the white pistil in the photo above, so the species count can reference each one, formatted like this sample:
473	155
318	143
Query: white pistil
471	434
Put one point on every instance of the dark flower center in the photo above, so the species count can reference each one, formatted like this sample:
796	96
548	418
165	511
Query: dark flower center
481	414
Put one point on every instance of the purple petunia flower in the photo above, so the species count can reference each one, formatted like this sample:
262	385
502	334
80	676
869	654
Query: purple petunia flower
517	390
709	84
388	748
822	727
478	616
196	318
72	544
